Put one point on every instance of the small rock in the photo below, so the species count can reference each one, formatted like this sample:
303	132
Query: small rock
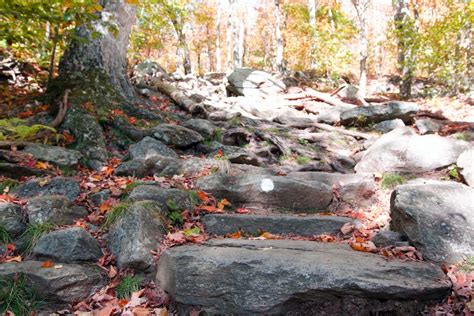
237	136
12	219
57	155
149	147
466	163
165	166
72	244
135	234
100	197
387	238
175	135
55	186
238	155
387	126
437	217
56	209
179	199
428	126
203	127
71	283
364	115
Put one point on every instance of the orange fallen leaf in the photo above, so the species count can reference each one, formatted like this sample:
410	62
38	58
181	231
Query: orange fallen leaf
235	235
219	152
132	120
47	264
364	247
112	272
223	203
203	196
141	311
25	114
267	235
42	165
211	209
122	303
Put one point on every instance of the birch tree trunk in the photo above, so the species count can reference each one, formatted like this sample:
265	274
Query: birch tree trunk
229	37
218	38
361	7
279	38
312	6
235	37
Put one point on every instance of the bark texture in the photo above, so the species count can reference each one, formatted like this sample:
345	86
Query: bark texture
104	47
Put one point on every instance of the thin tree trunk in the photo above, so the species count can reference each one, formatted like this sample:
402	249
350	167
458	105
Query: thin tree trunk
241	41
312	6
361	7
229	37
218	38
235	37
53	56
279	38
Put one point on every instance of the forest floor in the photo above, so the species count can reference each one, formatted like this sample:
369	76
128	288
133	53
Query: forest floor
143	298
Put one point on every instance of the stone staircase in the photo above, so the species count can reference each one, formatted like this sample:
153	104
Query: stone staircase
226	276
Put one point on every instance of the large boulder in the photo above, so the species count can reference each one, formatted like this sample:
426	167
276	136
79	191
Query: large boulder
135	234
55	186
166	198
72	244
280	277
437	217
254	83
402	150
12	219
365	115
56	209
273	192
149	147
177	136
59	287
466	163
222	224
57	155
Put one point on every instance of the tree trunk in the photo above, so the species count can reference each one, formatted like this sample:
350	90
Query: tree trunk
218	38
235	37
361	7
93	70
279	38
312	6
406	31
229	37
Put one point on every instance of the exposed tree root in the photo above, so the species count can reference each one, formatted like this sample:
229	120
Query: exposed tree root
63	107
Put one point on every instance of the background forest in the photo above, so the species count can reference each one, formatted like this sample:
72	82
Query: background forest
426	39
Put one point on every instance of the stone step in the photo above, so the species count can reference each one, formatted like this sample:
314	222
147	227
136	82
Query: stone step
243	277
311	225
310	192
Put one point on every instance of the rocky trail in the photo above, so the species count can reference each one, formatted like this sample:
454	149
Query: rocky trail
248	194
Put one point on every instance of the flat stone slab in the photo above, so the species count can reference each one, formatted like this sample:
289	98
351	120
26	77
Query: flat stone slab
299	277
313	225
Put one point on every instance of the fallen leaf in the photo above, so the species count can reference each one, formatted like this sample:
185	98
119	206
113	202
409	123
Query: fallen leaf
203	196
112	272
141	311
106	311
42	165
47	264
161	311
25	114
367	246
211	209
223	203
347	228
132	120
235	235
177	237
267	235
219	152
44	182
242	211
14	259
